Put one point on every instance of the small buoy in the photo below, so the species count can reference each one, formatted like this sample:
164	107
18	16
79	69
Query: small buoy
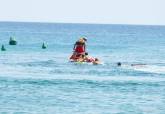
43	46
12	41
3	48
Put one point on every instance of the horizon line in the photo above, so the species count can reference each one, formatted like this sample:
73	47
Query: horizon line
79	23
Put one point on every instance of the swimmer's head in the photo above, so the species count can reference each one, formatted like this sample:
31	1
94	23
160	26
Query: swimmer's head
119	64
96	59
86	53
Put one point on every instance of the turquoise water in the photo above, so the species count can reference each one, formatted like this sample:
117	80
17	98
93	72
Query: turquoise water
37	81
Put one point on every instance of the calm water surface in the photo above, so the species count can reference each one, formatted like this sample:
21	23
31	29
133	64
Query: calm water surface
36	81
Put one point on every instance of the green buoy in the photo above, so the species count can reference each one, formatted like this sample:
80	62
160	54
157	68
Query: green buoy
44	46
3	48
12	41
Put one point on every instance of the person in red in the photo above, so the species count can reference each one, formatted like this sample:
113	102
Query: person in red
79	48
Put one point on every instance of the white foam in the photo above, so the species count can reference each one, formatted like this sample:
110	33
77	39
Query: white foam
147	68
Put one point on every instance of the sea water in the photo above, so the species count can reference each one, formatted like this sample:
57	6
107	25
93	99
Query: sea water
43	81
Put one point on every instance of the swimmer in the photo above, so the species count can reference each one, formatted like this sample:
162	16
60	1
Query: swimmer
88	59
133	65
119	64
138	64
96	61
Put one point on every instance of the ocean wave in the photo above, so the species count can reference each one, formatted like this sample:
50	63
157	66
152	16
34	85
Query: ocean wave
52	68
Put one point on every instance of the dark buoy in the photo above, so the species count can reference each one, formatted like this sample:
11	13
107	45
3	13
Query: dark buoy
12	41
3	48
43	46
